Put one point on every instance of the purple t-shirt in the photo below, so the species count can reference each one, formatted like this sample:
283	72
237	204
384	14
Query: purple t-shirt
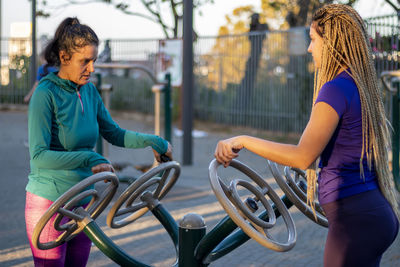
340	170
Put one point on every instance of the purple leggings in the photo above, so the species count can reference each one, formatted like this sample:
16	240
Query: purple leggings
361	228
72	253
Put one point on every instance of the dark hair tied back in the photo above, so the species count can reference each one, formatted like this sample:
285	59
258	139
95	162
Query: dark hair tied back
70	35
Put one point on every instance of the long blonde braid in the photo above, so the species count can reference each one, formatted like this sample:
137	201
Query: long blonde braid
346	45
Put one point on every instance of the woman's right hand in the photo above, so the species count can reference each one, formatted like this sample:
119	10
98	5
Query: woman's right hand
168	154
103	167
227	150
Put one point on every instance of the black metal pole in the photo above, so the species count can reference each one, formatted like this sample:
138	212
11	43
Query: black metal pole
187	82
167	108
33	57
192	229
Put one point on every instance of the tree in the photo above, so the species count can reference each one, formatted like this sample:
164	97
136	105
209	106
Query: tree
234	62
226	60
278	14
169	22
294	13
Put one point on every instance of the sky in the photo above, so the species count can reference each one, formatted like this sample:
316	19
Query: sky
108	22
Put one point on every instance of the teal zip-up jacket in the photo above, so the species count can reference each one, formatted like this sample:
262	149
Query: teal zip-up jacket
63	130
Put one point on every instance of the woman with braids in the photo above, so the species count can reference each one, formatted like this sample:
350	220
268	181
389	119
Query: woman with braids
348	133
66	114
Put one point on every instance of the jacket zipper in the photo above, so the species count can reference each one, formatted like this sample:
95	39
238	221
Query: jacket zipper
80	99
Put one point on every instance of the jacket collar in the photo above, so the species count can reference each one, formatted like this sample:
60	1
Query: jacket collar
63	83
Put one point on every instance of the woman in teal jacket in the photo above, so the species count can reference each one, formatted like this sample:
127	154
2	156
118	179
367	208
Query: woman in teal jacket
66	114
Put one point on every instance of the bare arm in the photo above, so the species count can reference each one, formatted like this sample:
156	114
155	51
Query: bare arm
320	128
30	93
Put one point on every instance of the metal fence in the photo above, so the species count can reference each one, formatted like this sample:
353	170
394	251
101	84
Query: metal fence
254	80
384	39
261	80
132	87
14	69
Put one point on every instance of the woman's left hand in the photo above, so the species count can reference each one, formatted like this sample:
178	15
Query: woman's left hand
168	153
103	167
227	150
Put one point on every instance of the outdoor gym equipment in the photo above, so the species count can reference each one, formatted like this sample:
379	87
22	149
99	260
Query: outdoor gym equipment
65	205
242	213
296	190
142	188
193	246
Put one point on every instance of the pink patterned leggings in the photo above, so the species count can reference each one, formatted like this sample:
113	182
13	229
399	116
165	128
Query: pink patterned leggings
72	253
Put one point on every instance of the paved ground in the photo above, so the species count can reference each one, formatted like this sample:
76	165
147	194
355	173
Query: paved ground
145	239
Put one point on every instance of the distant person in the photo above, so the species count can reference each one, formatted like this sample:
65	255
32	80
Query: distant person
66	114
42	71
105	55
349	134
